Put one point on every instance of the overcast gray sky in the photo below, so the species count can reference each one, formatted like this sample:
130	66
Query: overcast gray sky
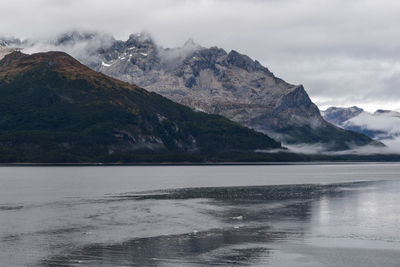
345	52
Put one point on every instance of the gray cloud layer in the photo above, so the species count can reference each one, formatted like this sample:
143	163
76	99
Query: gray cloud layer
345	52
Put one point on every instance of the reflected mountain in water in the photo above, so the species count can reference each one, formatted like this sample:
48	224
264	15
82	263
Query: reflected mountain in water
287	225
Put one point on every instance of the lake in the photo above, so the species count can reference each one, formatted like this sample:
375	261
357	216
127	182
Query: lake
261	215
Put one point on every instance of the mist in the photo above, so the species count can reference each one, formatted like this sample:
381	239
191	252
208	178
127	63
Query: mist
81	45
392	146
389	126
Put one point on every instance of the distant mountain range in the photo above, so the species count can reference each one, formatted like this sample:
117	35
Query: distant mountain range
382	125
54	109
207	79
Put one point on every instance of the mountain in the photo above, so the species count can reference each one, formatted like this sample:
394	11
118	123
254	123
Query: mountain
382	125
54	109
337	115
211	80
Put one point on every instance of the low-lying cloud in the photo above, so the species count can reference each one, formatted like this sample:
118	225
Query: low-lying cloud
84	49
388	125
392	147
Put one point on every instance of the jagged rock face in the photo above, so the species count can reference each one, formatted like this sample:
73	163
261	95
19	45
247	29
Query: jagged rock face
214	81
338	115
229	84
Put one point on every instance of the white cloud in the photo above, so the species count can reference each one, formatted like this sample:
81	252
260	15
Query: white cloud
385	125
389	125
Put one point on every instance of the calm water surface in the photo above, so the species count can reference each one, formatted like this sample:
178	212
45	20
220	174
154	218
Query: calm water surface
282	215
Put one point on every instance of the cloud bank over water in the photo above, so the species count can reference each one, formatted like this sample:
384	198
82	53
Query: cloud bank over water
392	147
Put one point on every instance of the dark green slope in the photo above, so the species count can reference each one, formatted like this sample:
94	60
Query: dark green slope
54	109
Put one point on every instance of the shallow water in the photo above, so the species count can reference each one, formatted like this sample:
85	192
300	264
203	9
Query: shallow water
283	215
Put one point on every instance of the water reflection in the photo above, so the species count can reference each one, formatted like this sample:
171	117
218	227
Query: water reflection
257	226
202	248
368	212
282	225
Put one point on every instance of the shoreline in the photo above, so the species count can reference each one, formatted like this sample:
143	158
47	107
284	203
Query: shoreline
196	164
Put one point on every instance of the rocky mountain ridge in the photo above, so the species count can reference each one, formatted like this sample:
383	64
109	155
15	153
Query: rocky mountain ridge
211	80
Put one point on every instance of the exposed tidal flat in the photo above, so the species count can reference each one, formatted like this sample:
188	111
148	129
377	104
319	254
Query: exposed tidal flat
261	215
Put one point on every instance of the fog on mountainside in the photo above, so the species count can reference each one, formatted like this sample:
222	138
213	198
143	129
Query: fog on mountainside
382	125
